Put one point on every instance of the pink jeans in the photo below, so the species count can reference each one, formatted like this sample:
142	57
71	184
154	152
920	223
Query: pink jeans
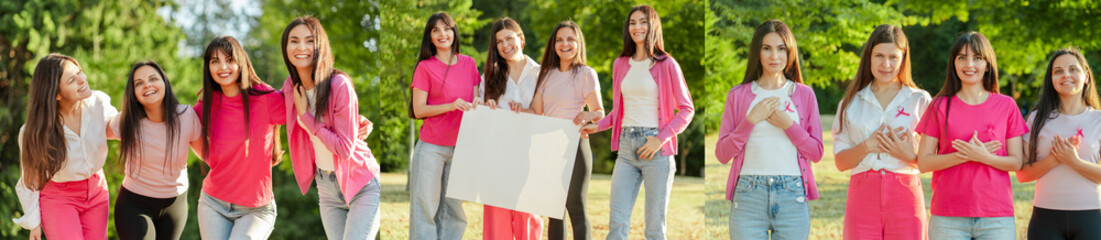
502	223
75	210
885	205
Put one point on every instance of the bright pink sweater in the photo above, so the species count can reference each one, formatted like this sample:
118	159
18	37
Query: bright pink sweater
672	95
805	134
354	164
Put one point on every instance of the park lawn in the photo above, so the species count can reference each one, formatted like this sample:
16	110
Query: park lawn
683	220
827	213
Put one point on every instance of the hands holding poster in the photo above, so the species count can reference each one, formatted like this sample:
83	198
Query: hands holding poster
514	160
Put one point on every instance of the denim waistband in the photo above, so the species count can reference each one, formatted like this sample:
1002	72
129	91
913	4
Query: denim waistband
639	132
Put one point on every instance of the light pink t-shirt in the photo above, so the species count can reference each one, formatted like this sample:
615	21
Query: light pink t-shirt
154	175
444	85
564	92
972	189
1062	188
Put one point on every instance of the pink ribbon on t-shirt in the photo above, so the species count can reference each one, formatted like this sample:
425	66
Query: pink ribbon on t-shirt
787	107
1080	133
901	112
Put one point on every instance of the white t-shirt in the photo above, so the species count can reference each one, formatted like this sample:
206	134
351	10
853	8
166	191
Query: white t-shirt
323	158
520	90
769	151
640	96
864	116
1063	188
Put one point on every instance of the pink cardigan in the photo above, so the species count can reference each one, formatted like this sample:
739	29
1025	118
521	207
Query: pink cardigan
354	164
672	95
805	134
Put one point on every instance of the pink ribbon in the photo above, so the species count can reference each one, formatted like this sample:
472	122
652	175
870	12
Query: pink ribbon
901	112
1080	133
787	107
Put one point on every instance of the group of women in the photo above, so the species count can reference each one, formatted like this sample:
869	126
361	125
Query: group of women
63	147
651	105
888	131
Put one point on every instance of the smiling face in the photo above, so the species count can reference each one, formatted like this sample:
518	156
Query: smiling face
1067	75
442	35
300	47
224	69
774	53
565	45
970	66
148	86
886	61
638	26
510	45
73	85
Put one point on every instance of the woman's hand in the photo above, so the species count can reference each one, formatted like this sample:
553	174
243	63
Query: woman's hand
647	151
973	150
462	105
763	110
300	103
365	127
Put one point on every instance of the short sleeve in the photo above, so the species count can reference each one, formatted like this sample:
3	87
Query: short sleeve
930	121
841	140
474	72
591	81
421	77
1015	125
277	107
194	127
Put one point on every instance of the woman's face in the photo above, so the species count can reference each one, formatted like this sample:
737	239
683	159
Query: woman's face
300	47
565	45
970	66
73	85
224	69
510	45
774	53
148	86
1067	75
638	26
886	62
442	36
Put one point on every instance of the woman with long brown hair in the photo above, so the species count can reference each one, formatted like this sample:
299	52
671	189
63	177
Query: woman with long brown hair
63	147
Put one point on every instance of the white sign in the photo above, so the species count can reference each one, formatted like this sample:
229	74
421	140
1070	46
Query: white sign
512	160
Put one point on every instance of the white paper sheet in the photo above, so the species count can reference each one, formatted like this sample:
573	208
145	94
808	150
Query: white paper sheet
516	161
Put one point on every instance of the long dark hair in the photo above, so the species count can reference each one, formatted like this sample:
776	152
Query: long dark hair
323	69
496	69
885	33
952	83
43	151
551	61
246	78
1048	106
754	70
428	49
133	112
655	43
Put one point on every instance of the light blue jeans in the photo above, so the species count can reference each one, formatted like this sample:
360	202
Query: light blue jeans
359	220
431	214
630	171
952	228
766	206
223	220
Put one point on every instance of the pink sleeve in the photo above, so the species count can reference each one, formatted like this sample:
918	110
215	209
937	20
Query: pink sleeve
340	136
682	100
807	135
930	121
420	78
277	107
733	133
474	72
1015	125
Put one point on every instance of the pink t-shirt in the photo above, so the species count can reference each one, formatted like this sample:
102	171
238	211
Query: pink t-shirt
564	92
1062	188
972	189
444	86
155	175
240	162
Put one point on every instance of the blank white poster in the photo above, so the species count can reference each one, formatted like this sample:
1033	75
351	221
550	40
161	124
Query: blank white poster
516	161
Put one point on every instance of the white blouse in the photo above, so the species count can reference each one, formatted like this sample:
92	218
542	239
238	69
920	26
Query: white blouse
864	116
520	90
85	156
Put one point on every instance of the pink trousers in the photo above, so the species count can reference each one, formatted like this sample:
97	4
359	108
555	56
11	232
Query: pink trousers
75	210
885	205
501	223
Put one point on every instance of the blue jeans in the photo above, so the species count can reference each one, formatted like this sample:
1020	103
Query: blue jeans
951	228
357	220
431	214
769	205
630	171
223	220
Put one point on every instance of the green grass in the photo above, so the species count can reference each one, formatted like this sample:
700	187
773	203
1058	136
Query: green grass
827	213
684	218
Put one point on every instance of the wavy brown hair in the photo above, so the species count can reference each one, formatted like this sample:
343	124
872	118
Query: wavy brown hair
754	70
655	42
323	62
43	149
885	33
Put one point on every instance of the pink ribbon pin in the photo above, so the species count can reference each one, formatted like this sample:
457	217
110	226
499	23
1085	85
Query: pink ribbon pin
787	107
901	112
1080	133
